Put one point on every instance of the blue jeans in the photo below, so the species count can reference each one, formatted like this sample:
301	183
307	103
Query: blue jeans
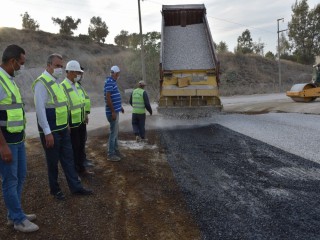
113	137
62	150
13	176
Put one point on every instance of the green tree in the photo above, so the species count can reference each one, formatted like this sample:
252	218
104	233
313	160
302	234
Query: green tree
304	31
284	45
67	25
134	41
222	47
122	39
151	41
245	44
151	54
98	30
28	22
270	55
258	48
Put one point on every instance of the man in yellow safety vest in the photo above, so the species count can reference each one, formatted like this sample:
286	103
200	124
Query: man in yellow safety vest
77	114
13	166
52	115
140	102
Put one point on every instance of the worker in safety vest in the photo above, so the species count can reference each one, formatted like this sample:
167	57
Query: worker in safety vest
13	166
140	102
77	114
83	129
52	114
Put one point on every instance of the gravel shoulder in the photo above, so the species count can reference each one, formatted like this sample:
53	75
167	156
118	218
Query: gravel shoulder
137	198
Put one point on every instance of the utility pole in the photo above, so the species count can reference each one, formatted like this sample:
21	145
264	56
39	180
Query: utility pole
142	47
279	63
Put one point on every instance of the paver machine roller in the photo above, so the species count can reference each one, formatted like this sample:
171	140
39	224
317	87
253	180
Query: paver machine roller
307	92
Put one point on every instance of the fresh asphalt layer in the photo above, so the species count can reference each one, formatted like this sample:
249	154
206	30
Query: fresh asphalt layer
237	187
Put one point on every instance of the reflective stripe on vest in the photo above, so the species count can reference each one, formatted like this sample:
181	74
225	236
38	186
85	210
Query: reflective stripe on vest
87	101
75	102
137	101
12	105
58	101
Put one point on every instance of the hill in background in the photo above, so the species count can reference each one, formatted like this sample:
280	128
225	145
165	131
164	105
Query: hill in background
240	74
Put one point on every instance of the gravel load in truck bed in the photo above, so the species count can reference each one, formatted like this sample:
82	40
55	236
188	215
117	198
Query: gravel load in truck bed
186	48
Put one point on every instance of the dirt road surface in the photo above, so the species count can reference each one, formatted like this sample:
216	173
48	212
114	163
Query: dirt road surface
187	182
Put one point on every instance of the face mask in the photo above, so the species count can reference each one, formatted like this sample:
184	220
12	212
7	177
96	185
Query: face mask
78	78
57	72
18	72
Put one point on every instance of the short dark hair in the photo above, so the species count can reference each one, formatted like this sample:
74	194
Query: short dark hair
12	51
52	56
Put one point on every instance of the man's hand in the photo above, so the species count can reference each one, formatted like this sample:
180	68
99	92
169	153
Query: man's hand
122	110
5	153
49	140
114	116
86	121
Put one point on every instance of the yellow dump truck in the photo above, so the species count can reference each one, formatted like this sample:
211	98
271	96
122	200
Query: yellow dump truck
189	67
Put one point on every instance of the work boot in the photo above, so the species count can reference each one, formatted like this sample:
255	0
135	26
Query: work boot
83	192
86	173
26	226
114	158
88	163
30	217
120	155
59	195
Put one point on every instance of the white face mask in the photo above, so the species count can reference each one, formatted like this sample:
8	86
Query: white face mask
18	72
57	72
77	78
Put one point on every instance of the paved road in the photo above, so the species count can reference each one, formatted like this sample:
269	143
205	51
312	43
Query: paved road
277	102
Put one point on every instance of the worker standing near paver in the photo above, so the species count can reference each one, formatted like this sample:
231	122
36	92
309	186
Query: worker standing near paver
112	98
52	114
76	106
83	128
139	100
13	165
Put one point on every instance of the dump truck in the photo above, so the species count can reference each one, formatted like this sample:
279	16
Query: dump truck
189	67
307	92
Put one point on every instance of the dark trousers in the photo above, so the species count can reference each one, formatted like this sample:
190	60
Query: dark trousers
138	124
83	140
62	150
78	136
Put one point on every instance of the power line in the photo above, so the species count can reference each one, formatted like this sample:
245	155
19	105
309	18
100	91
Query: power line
221	19
240	24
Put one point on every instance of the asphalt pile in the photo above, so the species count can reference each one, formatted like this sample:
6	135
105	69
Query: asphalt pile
237	187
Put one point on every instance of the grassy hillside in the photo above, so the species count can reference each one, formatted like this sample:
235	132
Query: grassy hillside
239	74
250	74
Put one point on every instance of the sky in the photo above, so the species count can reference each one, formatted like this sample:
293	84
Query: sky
227	19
